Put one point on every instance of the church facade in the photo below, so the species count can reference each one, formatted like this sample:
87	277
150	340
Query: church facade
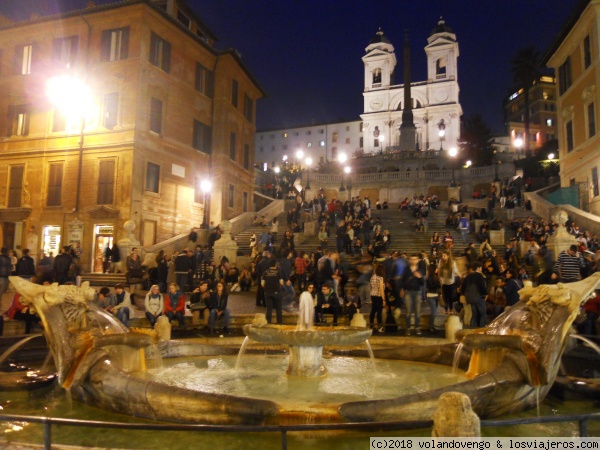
435	106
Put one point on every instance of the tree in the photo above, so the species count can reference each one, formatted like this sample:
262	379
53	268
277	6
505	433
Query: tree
525	69
476	141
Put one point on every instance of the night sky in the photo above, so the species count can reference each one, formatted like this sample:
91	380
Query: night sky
306	54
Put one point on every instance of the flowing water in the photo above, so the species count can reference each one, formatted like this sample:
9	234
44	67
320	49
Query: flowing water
456	359
264	377
371	355
238	361
17	345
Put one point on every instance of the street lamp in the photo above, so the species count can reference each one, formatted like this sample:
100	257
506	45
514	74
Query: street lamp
347	171
441	133
551	156
206	187
453	152
342	159
299	156
518	144
74	98
308	161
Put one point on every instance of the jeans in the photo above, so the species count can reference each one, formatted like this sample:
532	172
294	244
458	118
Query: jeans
432	300
152	318
479	318
176	315
464	232
413	306
213	318
273	300
376	309
181	279
123	315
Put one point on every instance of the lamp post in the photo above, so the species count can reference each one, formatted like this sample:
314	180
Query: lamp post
73	97
342	159
308	161
206	187
347	171
497	179
441	133
453	152
518	142
299	156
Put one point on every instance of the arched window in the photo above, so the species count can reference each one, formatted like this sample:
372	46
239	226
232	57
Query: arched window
377	76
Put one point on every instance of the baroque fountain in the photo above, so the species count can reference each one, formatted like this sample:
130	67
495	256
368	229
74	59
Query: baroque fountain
509	365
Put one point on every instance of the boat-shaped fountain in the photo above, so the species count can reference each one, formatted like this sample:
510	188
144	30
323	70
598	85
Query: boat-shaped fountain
511	363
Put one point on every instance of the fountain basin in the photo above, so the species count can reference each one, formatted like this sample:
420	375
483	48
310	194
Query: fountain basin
306	345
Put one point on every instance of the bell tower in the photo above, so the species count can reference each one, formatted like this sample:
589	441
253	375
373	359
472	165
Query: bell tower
379	62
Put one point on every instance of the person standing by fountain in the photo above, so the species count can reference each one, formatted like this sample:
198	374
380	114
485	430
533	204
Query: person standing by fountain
377	298
447	272
474	288
154	304
175	304
272	282
217	305
411	285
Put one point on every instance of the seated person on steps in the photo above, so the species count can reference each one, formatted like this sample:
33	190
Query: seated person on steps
175	304
217	304
327	303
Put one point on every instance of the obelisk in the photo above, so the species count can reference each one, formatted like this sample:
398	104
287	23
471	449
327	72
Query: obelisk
408	131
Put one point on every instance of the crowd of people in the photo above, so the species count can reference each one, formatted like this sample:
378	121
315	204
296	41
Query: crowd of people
477	284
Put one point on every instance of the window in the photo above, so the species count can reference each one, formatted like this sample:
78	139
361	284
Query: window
111	110
245	202
23	59
308	144
231	199
591	116
564	76
152	177
595	187
18	120
160	52
569	135
335	137
64	51
234	93
321	143
347	140
248	108
15	186
232	139
156	106
377	76
59	121
549	122
106	182
246	156
205	81
55	178
202	138
115	44
587	52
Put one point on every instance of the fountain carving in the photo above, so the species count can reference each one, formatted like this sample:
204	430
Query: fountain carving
305	342
511	361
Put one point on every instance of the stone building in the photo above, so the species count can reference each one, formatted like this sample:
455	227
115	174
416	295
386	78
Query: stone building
574	56
117	113
542	114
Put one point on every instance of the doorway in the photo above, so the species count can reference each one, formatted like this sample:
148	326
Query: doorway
103	237
8	233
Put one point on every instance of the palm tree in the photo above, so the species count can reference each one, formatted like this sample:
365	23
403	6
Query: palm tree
475	141
525	69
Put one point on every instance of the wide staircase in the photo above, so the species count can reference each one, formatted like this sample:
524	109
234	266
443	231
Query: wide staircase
401	225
